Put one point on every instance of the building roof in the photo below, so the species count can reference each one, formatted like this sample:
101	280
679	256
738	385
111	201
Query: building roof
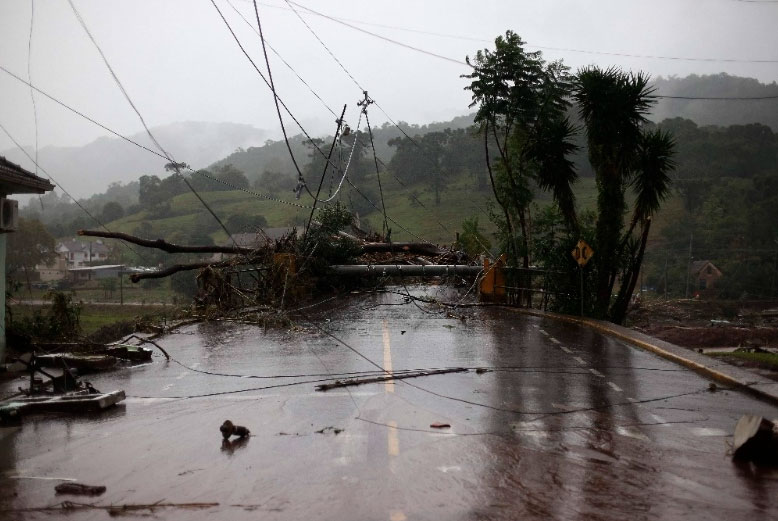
16	180
73	245
103	267
698	265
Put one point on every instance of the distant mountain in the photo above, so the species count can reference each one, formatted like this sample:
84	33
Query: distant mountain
717	112
91	168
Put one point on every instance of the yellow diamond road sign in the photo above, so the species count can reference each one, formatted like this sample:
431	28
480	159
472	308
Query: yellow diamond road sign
582	253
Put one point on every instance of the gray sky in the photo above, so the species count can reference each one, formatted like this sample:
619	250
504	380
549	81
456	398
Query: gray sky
178	61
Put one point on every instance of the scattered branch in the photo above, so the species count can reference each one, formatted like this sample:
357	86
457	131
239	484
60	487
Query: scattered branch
166	246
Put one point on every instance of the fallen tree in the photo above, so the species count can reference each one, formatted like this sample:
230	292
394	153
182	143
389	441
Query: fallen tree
163	245
418	248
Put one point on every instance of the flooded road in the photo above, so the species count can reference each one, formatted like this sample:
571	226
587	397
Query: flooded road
565	424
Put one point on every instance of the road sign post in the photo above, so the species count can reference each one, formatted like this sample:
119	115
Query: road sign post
580	271
582	253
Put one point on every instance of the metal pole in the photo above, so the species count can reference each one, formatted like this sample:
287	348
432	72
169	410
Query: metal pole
580	270
689	266
666	276
339	121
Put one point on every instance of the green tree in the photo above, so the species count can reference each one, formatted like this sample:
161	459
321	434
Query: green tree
522	102
240	223
623	152
471	240
27	247
232	177
108	286
111	211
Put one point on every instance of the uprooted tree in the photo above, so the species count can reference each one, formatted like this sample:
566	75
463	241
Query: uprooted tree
272	273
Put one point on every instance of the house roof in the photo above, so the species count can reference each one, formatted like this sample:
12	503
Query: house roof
697	266
73	245
16	180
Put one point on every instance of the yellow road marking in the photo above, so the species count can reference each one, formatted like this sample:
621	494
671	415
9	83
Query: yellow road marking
389	385
393	445
396	515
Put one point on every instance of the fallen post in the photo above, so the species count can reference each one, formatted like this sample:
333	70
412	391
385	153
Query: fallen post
412	270
418	248
389	377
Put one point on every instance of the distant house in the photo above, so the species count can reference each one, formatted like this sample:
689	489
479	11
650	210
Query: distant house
13	180
704	274
57	269
82	253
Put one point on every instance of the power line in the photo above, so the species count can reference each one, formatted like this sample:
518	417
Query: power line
172	162
340	184
354	80
301	178
344	21
289	66
265	80
321	152
381	37
713	98
81	206
143	147
29	77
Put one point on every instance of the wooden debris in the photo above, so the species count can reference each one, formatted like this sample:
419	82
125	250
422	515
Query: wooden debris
79	489
82	363
113	510
378	379
438	425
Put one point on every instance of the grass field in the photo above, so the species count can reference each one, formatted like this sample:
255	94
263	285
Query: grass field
133	294
768	360
437	223
95	316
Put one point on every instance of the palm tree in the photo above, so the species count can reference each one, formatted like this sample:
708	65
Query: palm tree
613	106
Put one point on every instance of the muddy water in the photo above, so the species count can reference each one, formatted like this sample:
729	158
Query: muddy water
566	424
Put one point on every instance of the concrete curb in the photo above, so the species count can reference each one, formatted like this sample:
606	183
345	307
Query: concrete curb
706	366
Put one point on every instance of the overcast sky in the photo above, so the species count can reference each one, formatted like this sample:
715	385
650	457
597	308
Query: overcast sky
179	62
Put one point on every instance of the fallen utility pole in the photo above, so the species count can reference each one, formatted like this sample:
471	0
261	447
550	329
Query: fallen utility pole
418	248
405	269
389	377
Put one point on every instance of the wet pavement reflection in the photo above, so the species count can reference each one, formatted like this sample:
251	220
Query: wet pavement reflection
564	424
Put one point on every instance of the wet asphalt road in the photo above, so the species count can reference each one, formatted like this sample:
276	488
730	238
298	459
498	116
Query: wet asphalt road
569	424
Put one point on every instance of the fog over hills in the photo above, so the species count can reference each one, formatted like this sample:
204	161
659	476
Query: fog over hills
89	169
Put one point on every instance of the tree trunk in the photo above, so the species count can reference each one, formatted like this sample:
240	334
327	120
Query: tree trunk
619	310
610	207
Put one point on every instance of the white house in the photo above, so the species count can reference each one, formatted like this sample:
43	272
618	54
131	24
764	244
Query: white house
82	253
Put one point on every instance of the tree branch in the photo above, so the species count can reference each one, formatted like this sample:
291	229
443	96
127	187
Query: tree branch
166	246
171	270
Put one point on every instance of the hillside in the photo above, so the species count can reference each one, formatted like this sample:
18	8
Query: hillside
716	112
90	169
